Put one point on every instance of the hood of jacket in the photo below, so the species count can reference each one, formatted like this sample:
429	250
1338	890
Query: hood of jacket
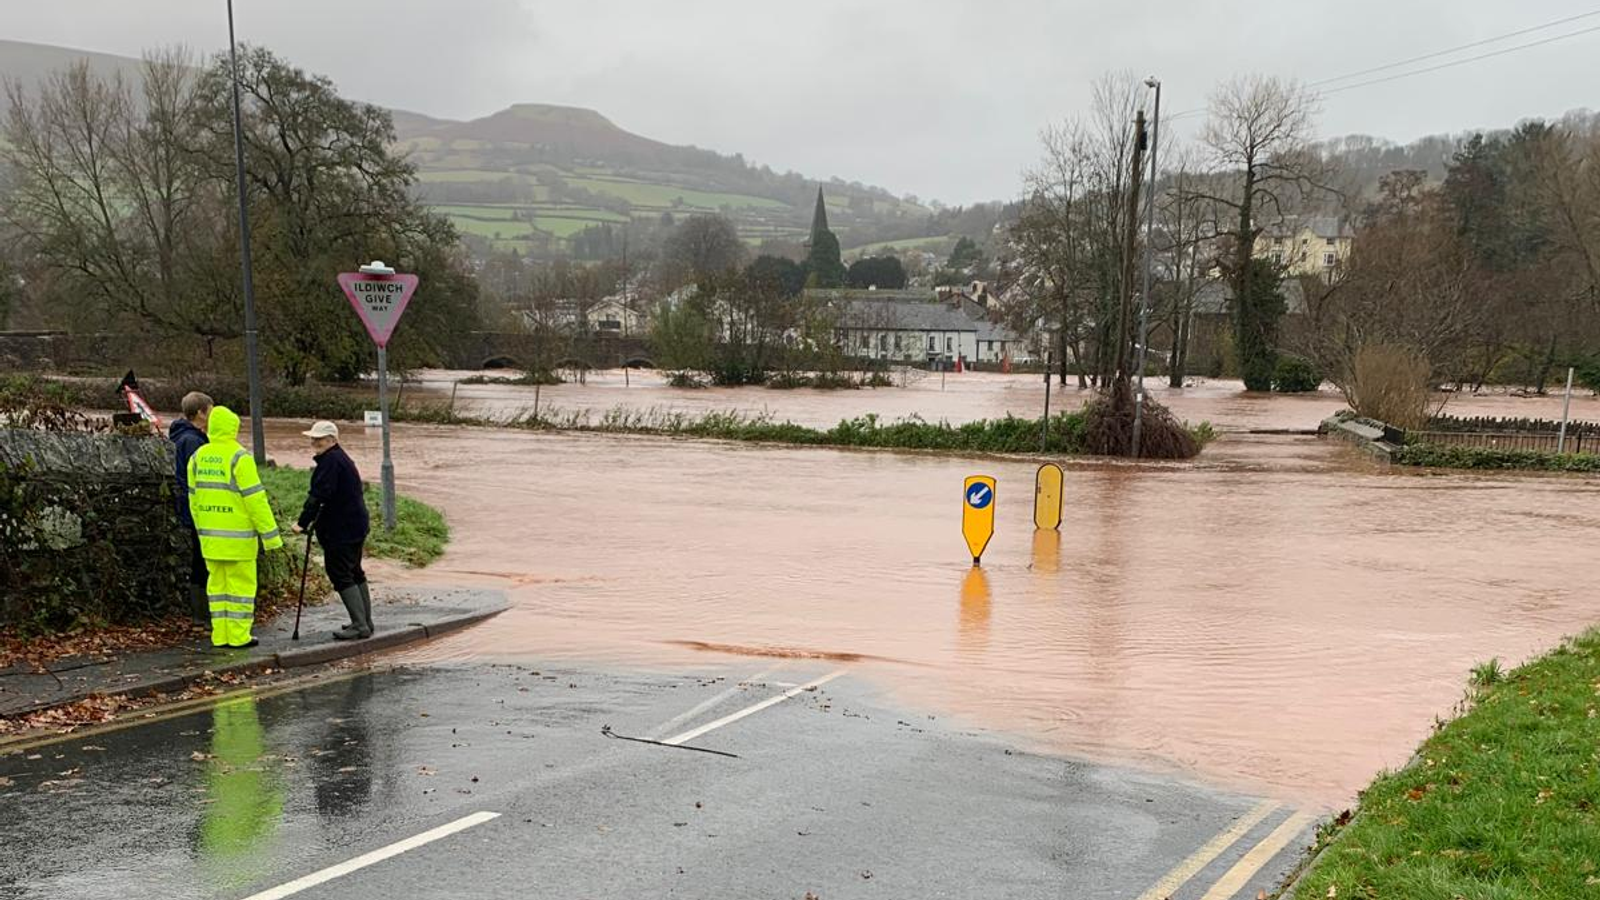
223	425
180	427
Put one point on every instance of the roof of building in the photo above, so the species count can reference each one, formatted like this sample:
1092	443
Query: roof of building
1216	297
888	314
1321	226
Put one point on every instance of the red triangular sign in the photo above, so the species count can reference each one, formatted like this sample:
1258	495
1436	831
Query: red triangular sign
379	300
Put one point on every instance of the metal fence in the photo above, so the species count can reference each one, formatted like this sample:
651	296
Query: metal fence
1543	441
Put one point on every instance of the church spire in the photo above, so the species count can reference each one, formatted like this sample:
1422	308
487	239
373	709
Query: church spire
819	219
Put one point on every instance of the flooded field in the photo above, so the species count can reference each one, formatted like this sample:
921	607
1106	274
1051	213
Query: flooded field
1279	615
956	398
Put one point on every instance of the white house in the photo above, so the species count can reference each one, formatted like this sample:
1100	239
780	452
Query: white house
919	326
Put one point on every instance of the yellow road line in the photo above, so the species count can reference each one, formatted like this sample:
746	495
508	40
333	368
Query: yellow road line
1259	855
162	712
1182	872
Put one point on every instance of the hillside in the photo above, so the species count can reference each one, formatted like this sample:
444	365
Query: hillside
28	64
533	177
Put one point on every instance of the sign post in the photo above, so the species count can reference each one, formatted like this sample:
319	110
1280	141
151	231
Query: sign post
1047	497
977	514
380	297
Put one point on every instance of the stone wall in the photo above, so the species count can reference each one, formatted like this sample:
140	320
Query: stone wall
88	530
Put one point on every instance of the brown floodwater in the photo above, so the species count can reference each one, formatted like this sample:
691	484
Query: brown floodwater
1280	616
955	398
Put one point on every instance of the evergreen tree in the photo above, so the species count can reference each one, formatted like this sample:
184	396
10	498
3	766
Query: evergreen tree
1256	324
824	267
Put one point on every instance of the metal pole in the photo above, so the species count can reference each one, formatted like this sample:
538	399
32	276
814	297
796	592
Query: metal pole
1044	430
388	462
258	435
1566	409
1149	244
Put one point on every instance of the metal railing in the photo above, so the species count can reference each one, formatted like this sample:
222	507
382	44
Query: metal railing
1541	441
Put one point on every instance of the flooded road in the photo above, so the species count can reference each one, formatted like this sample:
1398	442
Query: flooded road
1279	616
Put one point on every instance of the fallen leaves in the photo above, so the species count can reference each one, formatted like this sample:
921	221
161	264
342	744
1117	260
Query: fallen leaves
96	644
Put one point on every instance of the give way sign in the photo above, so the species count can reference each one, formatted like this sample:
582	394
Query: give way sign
379	300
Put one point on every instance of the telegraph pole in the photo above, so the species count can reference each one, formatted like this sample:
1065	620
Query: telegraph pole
1149	244
258	435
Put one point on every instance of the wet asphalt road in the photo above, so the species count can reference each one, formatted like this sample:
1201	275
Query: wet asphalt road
836	792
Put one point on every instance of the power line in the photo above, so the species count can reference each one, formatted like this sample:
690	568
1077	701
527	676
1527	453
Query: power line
1462	62
1437	53
1445	65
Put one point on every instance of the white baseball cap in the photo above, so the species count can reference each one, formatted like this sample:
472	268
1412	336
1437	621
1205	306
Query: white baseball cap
323	429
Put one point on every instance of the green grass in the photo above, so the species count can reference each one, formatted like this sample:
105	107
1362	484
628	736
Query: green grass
1447	457
1004	435
469	175
476	212
641	193
504	229
567	226
929	243
420	531
1501	803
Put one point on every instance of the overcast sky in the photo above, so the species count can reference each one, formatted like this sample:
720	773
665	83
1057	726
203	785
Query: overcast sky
941	99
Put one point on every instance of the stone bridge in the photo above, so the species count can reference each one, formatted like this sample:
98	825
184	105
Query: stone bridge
514	350
59	351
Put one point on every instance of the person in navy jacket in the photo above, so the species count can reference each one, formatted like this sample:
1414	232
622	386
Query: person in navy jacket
337	510
188	434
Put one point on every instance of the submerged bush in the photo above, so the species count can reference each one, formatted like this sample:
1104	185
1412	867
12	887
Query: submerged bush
1388	383
1296	375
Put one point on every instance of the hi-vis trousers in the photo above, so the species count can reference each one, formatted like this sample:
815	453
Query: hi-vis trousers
231	590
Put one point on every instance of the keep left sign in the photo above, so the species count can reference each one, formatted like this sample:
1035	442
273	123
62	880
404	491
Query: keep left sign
379	300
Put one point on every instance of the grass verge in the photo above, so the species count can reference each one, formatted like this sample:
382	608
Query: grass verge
419	535
1501	802
1446	457
1009	434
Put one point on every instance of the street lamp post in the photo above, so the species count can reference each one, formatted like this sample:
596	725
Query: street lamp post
1149	243
258	437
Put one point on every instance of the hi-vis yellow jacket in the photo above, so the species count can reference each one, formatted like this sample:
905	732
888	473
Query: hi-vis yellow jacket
226	496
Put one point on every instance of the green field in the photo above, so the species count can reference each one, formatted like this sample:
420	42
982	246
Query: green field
935	244
662	195
567	226
501	228
447	176
476	212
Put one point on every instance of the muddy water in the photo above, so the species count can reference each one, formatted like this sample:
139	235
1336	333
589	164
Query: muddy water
1279	616
956	398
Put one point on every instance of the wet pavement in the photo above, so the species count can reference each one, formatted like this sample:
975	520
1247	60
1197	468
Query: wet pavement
489	781
402	615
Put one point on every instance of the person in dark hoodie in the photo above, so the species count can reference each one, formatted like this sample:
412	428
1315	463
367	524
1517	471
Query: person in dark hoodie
336	510
188	434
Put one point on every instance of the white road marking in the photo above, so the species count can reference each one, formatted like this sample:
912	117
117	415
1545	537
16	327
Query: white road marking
1259	855
1182	872
376	856
709	702
693	733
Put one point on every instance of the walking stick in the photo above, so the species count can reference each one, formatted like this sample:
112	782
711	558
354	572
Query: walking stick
305	569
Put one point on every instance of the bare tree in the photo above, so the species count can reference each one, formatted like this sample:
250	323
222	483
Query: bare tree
110	193
1069	236
1186	237
1410	285
1259	137
700	250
